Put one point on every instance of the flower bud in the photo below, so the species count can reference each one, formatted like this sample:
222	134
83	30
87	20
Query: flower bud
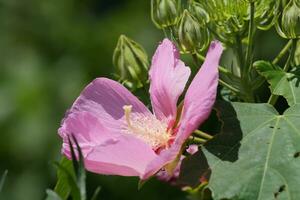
226	19
290	22
192	36
165	13
266	13
131	62
197	10
297	54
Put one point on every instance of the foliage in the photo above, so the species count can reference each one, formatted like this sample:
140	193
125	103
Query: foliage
2	180
249	154
255	154
281	82
71	177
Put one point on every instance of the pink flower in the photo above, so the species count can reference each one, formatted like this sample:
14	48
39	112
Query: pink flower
172	178
117	132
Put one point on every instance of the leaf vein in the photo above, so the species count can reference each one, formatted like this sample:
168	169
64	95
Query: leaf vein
267	159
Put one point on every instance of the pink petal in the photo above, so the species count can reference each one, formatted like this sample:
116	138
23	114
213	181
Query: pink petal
85	127
201	94
192	149
198	103
105	99
163	175
166	156
126	156
168	77
106	153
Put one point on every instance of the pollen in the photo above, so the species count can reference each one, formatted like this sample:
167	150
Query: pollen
147	128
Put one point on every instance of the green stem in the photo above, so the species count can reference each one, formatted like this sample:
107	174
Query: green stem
249	52
200	57
221	68
195	140
225	71
291	56
165	33
202	134
273	98
283	52
195	59
247	90
233	89
239	53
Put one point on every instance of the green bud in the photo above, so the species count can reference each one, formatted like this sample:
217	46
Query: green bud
193	37
266	13
197	10
297	54
131	62
290	22
165	13
226	18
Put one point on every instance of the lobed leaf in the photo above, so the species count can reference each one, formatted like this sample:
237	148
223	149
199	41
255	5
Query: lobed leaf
281	83
257	155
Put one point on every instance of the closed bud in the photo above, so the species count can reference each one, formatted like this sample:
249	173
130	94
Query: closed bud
131	62
193	37
226	18
165	13
290	22
297	54
199	12
266	13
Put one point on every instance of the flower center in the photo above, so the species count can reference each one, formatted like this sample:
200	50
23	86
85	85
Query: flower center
147	128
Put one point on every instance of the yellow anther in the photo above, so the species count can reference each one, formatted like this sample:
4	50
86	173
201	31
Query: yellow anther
146	127
127	112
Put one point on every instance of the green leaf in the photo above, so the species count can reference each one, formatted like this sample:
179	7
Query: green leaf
257	154
79	168
70	180
281	83
51	195
71	174
96	193
2	180
62	187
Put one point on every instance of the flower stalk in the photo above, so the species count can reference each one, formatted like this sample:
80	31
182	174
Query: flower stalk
273	98
249	53
196	140
202	134
283	52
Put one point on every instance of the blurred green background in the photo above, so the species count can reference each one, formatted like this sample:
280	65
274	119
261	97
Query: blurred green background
49	50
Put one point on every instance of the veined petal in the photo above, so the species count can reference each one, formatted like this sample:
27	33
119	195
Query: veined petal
165	157
125	155
168	76
198	103
170	155
105	98
85	127
201	94
106	153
